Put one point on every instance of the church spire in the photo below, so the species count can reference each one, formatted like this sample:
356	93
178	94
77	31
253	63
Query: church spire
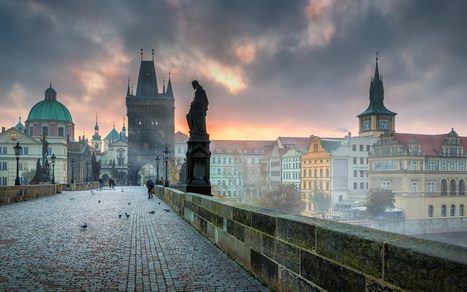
147	79
96	135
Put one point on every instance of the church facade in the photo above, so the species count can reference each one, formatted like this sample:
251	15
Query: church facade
151	124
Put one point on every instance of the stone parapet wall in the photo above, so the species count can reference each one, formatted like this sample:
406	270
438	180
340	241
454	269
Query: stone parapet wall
13	194
82	186
295	253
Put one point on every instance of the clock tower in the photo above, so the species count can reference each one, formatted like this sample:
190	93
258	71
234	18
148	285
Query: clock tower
376	119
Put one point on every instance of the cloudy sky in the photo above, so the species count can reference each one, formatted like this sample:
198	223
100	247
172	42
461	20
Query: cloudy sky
270	68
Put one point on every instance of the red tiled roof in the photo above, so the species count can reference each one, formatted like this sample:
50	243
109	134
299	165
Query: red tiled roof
429	144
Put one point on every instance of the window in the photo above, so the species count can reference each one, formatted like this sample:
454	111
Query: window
4	181
24	151
355	185
443	211
444	187
430	211
385	184
340	198
362	160
354	147
452	187
31	131
414	187
430	165
413	164
461	166
321	172
361	147
327	172
452	211
461	210
461	187
368	148
355	173
45	131
327	186
4	150
355	160
316	172
61	132
3	165
430	187
362	186
362	173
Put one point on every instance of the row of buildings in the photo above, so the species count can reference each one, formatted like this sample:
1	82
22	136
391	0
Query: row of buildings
427	173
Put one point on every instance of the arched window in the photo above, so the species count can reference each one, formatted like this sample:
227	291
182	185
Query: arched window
461	187
453	210
461	210
430	211
452	187
444	187
327	172
443	211
321	172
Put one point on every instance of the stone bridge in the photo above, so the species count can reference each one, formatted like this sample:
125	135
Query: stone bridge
197	243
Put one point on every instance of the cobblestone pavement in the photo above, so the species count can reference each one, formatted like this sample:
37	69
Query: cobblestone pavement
42	247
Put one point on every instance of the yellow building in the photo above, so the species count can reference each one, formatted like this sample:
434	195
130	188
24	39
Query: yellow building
427	173
316	168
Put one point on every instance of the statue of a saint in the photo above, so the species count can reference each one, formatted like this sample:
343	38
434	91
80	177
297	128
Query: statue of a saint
45	149
196	117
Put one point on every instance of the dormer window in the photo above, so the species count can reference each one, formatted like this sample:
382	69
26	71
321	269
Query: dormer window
365	125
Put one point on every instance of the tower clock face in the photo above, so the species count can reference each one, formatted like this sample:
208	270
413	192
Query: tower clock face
383	124
366	125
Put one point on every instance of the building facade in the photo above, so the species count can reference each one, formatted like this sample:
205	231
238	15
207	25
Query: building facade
150	120
291	164
427	173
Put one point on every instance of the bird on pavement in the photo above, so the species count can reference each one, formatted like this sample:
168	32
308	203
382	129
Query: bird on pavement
119	215
129	203
152	212
84	226
166	210
159	203
127	215
99	201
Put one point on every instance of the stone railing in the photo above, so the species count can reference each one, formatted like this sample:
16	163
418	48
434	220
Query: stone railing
13	194
295	253
83	186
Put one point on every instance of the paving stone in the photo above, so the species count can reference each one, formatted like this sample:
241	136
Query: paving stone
42	247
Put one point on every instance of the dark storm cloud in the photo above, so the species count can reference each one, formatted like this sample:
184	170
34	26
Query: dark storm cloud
303	65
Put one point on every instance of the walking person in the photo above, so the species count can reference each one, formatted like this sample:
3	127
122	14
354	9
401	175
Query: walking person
101	184
148	185
151	192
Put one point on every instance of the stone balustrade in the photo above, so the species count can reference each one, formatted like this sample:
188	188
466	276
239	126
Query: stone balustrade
295	253
83	186
13	194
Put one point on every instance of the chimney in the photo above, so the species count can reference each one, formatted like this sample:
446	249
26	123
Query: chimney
3	129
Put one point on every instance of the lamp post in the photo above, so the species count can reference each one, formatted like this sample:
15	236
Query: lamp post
166	158
158	161
72	171
17	154
87	171
53	167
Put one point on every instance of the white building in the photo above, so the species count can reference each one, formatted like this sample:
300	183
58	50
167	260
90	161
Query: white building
290	163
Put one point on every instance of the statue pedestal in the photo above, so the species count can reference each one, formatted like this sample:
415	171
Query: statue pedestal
197	166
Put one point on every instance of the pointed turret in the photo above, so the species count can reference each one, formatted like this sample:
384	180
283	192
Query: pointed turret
169	91
96	135
147	79
128	93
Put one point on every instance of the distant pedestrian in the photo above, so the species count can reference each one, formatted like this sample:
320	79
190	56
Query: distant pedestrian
148	186
161	181
101	184
151	192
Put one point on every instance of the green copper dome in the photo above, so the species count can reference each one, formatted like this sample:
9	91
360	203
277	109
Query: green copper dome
50	109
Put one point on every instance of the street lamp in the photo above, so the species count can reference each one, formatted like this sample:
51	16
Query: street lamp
158	161
53	167
72	171
17	154
87	170
166	157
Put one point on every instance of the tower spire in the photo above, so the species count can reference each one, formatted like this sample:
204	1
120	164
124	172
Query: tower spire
153	55
169	91
128	93
141	54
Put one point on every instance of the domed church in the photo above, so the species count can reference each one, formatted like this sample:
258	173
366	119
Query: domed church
51	118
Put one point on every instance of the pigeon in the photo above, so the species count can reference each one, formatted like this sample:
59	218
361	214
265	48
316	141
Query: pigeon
127	215
129	203
159	203
166	210
152	212
99	201
84	226
119	215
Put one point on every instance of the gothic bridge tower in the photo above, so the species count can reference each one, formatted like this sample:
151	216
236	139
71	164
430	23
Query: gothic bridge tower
151	124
